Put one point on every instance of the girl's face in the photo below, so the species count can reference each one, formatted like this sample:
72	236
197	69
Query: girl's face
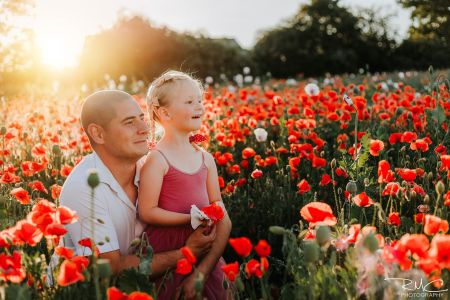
185	107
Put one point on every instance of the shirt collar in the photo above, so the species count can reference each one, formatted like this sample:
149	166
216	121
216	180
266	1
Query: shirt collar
107	177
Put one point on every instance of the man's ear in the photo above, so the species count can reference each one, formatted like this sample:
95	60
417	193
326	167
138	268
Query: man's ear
97	133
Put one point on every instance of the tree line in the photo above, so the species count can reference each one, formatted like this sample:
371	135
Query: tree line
322	37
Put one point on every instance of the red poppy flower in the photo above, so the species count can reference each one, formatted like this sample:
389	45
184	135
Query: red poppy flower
69	274
9	177
434	225
375	147
139	296
445	159
253	268
214	212
416	243
419	145
447	199
318	162
11	268
262	248
26	232
353	233
231	271
394	138
55	229
391	189
256	174
38	186
407	174
114	293
82	262
362	200
341	172
241	245
310	235
326	179
56	191
65	215
184	267
394	219
221	182
408	137
187	253
303	186
440	149
419	218
384	172
440	249
318	212
21	195
64	252
65	170
248	152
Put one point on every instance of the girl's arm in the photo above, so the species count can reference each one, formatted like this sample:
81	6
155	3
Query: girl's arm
150	183
223	226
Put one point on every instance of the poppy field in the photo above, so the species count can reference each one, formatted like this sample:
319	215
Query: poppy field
337	188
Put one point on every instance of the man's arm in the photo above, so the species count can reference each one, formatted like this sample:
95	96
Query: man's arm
198	242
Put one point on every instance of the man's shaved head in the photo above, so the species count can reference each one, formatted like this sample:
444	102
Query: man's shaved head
99	108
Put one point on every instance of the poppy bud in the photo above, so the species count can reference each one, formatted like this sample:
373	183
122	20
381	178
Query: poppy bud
351	187
423	208
323	234
426	199
277	230
311	252
403	149
366	181
104	268
430	176
371	242
135	242
56	150
93	179
440	187
333	163
3	130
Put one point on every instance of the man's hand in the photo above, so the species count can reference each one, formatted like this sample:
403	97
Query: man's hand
187	287
201	240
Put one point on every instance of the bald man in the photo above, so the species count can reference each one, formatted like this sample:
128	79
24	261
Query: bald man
117	131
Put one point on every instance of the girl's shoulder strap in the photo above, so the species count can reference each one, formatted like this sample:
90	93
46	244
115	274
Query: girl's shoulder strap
164	156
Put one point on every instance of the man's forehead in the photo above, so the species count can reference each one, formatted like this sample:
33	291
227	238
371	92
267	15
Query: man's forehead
127	108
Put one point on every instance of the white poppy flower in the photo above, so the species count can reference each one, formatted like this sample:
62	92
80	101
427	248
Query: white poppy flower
312	89
260	134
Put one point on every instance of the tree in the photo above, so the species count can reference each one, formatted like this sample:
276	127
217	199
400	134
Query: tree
135	48
429	35
15	38
323	37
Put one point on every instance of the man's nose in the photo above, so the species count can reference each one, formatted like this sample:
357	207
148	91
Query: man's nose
143	127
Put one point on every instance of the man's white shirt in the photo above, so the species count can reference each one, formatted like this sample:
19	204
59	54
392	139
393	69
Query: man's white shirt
115	217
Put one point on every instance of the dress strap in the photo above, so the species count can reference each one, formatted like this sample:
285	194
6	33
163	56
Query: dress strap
165	158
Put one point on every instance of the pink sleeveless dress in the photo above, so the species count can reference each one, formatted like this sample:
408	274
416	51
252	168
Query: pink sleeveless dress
178	192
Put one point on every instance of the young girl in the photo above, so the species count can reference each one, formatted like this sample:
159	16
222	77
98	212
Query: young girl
178	174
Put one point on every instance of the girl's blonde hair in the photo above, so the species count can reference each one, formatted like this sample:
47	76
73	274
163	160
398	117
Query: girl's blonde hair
157	95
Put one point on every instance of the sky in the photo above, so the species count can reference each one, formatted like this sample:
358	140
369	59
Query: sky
61	25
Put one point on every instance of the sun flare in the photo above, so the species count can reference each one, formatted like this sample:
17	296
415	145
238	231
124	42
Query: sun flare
57	52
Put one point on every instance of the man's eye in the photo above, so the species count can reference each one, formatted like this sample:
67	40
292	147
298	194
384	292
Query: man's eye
189	102
129	123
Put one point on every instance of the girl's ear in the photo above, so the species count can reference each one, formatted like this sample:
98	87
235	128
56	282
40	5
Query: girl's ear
163	113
